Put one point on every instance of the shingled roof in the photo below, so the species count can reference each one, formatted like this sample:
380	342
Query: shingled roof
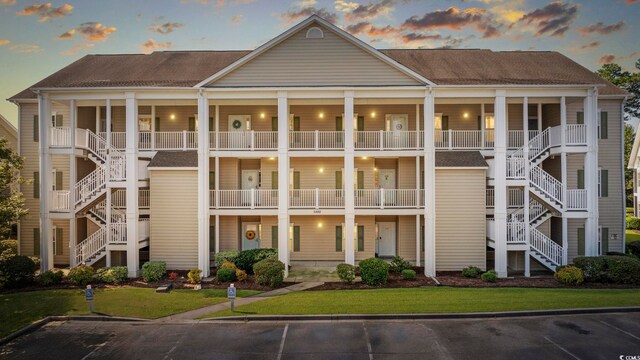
174	159
460	159
441	66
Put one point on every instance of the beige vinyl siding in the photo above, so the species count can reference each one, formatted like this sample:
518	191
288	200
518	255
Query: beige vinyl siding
369	223
550	115
298	61
514	114
229	233
460	219
267	223
10	134
407	237
181	113
229	176
174	218
572	237
406	173
317	243
457	121
258	123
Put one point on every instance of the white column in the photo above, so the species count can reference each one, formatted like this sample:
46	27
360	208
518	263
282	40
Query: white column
132	184
44	119
108	134
565	241
153	127
217	234
527	225
418	240
417	126
418	199
203	184
591	173
483	125
217	183
527	263
283	180
217	126
429	185
539	115
349	178
72	180
500	164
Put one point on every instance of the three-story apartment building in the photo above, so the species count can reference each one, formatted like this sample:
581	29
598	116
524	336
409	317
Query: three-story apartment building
328	150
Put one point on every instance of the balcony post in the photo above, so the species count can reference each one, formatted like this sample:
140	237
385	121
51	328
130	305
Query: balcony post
500	189
252	198
449	137
108	134
217	127
44	119
381	140
482	126
253	140
72	180
316	140
591	172
349	177
203	184
317	196
429	185
131	152
283	180
153	127
184	140
525	152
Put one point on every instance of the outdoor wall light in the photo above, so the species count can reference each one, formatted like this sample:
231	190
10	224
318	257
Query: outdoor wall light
465	115
262	115
373	114
172	117
364	158
319	224
321	115
272	158
321	170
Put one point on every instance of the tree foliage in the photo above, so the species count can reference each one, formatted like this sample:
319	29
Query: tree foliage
629	81
11	199
629	136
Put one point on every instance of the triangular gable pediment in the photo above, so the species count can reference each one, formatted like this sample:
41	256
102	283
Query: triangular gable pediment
296	58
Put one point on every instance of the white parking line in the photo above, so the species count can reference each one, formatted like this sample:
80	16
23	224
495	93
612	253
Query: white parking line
284	336
622	331
366	335
561	348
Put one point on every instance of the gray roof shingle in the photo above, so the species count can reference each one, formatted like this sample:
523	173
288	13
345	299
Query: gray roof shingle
460	159
170	159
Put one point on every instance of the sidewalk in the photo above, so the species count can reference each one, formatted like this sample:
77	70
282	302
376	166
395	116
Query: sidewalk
194	314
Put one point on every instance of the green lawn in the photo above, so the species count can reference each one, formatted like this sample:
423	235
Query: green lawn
632	235
435	300
20	309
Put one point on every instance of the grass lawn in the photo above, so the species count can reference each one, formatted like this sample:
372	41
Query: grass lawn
435	300
20	309
632	235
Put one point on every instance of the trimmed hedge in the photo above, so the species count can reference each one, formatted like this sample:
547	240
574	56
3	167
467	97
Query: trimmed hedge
8	248
374	271
633	223
247	258
154	270
226	275
81	275
569	275
17	271
223	256
113	275
610	268
398	264
49	278
489	276
634	248
471	272
269	272
408	274
346	273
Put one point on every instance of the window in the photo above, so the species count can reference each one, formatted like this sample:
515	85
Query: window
36	185
603	125
144	123
437	120
315	33
36	128
56	119
339	238
56	242
36	241
360	237
294	237
489	121
603	182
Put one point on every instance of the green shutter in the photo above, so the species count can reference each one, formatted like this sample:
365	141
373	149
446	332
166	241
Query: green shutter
422	180
212	238
360	123
296	123
58	120
157	124
479	122
58	180
212	180
360	180
580	179
36	185
604	183
274	123
580	118
211	124
274	237
274	180
339	123
296	180
36	128
36	241
604	242
338	179
339	238
360	237
296	238
604	125
580	241
192	124
445	123
59	241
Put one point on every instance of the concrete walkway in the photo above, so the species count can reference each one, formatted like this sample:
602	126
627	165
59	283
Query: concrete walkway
194	314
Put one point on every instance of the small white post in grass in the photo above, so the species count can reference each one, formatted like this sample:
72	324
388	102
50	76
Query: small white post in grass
88	295
231	294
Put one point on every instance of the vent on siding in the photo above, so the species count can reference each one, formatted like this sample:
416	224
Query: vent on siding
315	33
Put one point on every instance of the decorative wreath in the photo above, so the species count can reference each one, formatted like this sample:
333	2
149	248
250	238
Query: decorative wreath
250	234
398	126
236	124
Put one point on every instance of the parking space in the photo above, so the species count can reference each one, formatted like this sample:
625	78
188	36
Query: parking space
555	337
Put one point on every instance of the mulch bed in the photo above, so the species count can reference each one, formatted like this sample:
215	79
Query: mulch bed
394	281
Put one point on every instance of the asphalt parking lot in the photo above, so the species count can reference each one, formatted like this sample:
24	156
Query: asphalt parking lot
605	336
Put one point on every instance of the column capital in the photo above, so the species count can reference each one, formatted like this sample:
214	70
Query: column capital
501	93
129	95
281	94
349	94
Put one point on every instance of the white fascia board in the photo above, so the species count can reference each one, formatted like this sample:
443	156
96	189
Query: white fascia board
173	168
462	167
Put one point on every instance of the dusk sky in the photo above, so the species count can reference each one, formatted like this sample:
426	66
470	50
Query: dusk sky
38	38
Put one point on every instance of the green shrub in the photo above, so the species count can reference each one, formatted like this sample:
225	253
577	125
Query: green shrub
81	275
247	258
49	278
633	223
8	248
223	256
569	275
471	272
113	275
226	275
36	260
374	271
154	270
228	265
594	268
633	248
623	269
408	274
489	276
269	272
17	271
346	273
194	276
241	275
398	264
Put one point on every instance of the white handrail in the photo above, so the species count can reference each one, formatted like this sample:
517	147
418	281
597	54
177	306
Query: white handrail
59	200
245	198
92	245
545	246
516	231
90	185
577	199
546	184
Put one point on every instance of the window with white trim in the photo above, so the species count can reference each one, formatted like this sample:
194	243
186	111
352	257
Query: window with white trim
489	121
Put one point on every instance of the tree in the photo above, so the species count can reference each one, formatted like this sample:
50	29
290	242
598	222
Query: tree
627	81
629	137
11	199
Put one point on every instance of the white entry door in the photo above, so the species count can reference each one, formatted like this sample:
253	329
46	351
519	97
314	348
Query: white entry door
398	125
250	180
387	181
239	126
386	239
250	236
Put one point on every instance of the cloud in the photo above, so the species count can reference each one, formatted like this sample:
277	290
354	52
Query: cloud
151	45
165	28
590	46
292	15
4	42
611	58
26	49
631	2
7	2
370	30
454	19
46	11
92	31
365	12
553	19
237	19
416	37
306	3
601	28
74	50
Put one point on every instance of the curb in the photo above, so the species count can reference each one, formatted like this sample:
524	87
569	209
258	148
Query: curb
40	323
435	316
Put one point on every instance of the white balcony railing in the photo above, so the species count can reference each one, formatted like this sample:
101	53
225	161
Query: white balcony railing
388	198
244	140
576	134
516	232
168	140
248	199
59	200
60	137
316	140
316	198
144	229
476	139
515	198
577	199
388	140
